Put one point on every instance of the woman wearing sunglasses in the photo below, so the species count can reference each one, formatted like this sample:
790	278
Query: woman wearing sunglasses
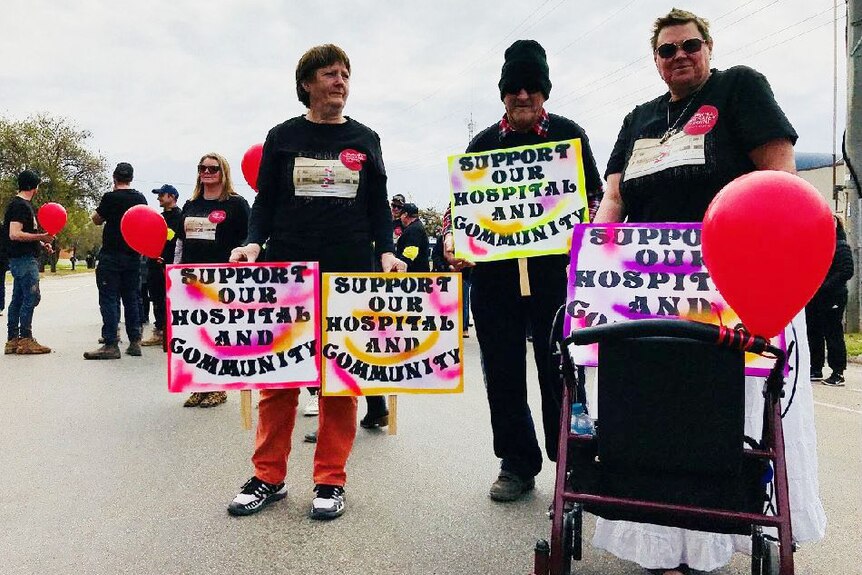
215	221
672	156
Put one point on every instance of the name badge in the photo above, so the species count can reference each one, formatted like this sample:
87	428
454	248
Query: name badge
650	155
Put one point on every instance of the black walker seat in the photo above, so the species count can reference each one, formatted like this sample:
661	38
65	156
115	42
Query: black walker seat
669	447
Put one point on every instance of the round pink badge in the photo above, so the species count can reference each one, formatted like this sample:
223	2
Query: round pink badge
217	216
352	159
702	122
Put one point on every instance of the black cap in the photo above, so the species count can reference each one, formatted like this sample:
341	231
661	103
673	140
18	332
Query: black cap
167	189
397	200
28	180
124	172
525	66
411	210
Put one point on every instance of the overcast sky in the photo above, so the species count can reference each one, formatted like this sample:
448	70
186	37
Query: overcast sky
161	82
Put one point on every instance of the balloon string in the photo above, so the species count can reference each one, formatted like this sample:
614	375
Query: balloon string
739	338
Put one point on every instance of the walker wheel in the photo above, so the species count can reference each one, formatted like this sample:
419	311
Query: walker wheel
771	558
572	537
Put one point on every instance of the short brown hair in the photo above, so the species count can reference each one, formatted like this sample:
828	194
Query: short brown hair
677	17
313	60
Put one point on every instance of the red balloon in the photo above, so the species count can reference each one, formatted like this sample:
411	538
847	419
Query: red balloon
52	217
768	240
145	230
251	164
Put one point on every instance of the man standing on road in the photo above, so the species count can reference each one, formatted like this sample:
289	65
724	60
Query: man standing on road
20	229
168	196
412	246
499	310
118	272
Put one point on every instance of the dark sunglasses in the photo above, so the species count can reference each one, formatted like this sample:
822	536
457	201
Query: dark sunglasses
209	169
515	87
690	46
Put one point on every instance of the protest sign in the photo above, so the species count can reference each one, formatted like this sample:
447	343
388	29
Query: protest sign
518	202
386	333
242	326
622	272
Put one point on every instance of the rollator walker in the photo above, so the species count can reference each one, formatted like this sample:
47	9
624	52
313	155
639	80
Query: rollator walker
669	446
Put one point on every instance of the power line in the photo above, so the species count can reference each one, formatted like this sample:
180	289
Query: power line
572	96
477	60
596	27
749	15
761	39
729	12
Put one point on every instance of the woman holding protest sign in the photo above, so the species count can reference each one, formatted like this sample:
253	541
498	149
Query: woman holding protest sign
672	156
321	197
214	222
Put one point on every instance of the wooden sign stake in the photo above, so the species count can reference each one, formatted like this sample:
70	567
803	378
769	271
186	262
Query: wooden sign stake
393	414
524	276
245	408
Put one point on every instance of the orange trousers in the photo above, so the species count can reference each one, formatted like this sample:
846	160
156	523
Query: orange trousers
335	434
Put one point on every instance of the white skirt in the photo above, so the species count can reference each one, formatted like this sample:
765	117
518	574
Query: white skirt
658	547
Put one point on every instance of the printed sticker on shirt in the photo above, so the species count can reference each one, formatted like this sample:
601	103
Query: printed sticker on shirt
217	216
650	156
352	159
200	229
324	179
703	121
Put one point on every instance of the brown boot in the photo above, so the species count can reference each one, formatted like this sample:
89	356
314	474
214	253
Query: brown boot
107	351
158	338
213	398
194	399
134	348
29	346
12	345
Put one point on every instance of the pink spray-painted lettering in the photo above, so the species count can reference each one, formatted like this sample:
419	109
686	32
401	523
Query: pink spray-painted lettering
217	216
352	159
702	122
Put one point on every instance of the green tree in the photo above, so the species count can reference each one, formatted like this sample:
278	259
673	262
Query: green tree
432	219
80	234
72	174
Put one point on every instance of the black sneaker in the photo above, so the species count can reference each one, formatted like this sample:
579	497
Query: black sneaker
816	375
371	421
256	495
328	502
835	380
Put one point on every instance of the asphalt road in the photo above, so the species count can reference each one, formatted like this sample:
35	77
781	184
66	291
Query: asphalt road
102	471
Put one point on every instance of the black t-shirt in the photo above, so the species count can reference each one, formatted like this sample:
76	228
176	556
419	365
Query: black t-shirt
212	228
412	247
320	185
113	206
174	219
734	113
20	210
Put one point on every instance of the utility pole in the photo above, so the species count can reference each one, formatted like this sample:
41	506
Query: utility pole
853	154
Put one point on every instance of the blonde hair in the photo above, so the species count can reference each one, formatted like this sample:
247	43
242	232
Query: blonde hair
227	184
677	17
839	222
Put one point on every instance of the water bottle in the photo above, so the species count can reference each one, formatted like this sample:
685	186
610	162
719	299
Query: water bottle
582	424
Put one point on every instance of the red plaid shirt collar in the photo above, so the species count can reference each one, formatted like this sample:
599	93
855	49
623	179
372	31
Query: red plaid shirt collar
540	127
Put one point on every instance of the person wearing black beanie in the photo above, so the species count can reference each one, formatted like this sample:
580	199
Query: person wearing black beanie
525	66
501	314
